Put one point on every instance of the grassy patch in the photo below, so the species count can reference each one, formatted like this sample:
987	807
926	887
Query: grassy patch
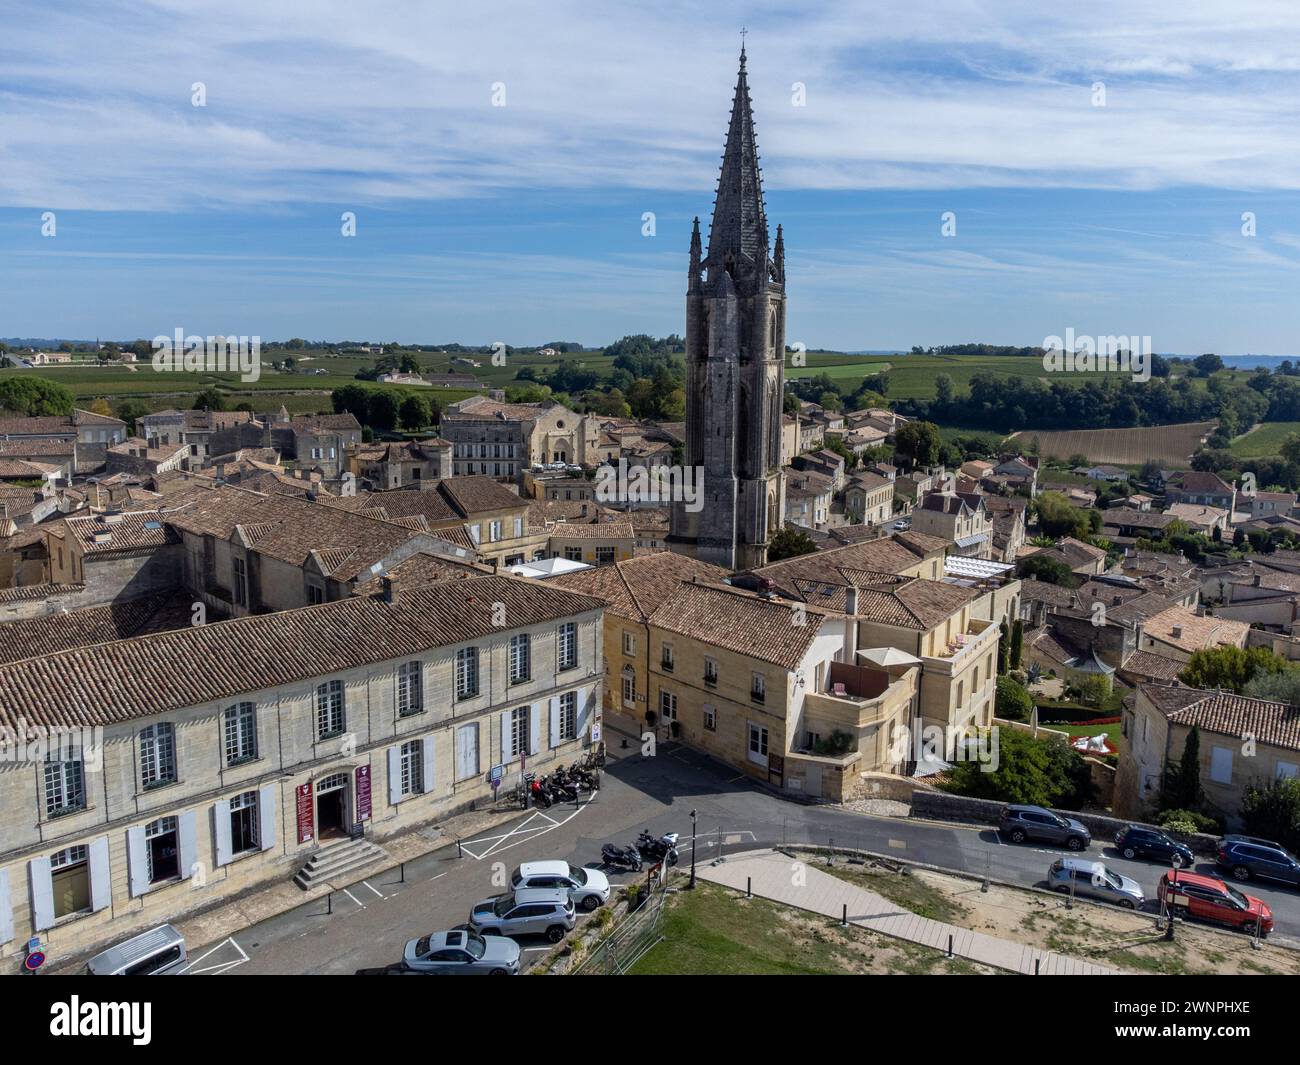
909	892
713	930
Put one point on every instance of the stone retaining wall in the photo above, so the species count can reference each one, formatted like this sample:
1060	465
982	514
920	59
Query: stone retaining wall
941	806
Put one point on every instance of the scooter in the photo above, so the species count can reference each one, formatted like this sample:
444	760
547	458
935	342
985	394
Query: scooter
662	849
623	857
540	793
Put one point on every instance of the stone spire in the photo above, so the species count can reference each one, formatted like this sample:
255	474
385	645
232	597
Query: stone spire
739	229
778	258
693	284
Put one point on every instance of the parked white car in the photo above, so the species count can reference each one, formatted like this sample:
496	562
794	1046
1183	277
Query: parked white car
588	888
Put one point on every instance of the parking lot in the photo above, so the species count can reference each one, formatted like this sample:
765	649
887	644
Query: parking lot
365	924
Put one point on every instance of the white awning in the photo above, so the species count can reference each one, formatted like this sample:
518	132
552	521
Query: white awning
977	568
888	656
547	567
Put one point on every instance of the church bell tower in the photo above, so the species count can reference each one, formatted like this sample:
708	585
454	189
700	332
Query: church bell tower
735	363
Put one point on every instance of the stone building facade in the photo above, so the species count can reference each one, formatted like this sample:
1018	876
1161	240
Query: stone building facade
185	786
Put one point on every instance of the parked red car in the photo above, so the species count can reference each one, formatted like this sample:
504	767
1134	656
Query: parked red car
1213	900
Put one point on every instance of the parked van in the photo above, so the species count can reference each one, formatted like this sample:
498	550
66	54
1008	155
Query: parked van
158	952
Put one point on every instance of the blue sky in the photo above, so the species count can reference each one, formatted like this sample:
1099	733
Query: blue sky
523	223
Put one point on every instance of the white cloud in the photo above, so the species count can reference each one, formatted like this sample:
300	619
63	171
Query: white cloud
343	103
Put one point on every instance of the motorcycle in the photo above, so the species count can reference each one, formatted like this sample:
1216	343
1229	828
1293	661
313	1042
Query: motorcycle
581	779
623	857
561	790
663	849
540	793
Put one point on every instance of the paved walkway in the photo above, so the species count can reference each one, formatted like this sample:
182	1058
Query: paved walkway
826	894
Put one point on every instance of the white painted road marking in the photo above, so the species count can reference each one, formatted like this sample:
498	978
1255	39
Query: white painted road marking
521	833
220	967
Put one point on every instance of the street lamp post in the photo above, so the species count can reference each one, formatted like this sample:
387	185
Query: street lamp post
693	833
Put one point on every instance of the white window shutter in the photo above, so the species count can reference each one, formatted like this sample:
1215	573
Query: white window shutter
221	829
137	861
426	750
188	842
507	755
6	909
584	712
535	728
267	801
394	775
38	877
101	880
555	721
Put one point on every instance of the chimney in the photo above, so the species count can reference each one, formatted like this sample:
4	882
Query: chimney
390	588
1177	632
851	599
313	490
221	472
1255	582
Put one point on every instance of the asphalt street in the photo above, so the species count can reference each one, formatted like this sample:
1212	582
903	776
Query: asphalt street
365	924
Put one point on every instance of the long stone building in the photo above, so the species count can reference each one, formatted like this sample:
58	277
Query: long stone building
212	759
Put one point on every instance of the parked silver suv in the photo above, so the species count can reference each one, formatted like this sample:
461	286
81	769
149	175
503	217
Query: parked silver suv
528	912
1094	880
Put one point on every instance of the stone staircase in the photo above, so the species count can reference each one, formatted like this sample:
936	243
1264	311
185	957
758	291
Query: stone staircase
345	858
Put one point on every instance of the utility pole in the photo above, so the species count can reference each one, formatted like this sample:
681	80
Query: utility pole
693	835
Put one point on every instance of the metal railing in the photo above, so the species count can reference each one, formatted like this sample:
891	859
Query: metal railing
629	940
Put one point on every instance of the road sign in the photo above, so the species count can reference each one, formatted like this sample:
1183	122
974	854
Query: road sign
1176	898
34	960
495	774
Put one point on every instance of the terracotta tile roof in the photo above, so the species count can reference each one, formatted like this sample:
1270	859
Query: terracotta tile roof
738	621
636	587
330	423
130	531
892	554
1144	519
127	679
39	426
26	592
51	633
1044	592
21	469
475	495
423	569
618	530
1276	724
1201	481
916	604
480	407
298	526
37	446
1156	667
1195	632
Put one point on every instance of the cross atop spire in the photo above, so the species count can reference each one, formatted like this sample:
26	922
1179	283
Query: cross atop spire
739	228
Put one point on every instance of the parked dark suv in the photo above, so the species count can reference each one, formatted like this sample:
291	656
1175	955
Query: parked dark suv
1021	823
1246	856
1138	841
